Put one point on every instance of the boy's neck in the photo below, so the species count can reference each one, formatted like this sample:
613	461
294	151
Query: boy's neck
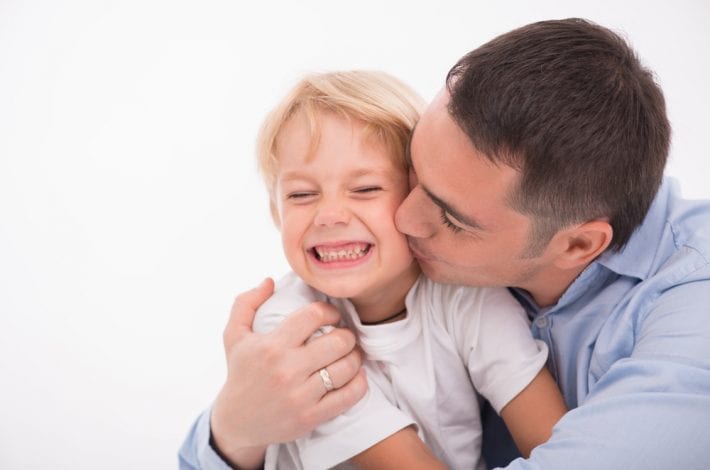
388	303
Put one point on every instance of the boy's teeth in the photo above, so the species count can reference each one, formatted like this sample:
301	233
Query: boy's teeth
355	252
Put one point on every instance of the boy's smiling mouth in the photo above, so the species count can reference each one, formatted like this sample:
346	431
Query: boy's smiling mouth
340	252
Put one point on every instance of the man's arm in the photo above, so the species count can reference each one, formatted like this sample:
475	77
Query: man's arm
649	410
273	392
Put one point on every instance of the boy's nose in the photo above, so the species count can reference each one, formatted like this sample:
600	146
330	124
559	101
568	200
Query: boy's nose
332	213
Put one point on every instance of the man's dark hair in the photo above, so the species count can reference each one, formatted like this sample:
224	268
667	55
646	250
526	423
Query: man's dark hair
568	104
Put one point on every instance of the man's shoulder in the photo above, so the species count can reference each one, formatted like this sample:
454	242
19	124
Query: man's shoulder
686	233
673	239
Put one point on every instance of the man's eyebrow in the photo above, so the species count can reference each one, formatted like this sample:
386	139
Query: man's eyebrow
437	200
450	210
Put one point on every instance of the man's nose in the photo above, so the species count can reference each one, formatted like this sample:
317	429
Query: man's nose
411	216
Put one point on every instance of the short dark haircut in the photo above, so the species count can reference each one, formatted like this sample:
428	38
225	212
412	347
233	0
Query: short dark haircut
569	105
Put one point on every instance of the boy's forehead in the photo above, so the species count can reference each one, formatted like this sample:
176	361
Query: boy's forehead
304	130
384	171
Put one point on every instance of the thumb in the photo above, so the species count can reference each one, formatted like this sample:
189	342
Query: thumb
244	309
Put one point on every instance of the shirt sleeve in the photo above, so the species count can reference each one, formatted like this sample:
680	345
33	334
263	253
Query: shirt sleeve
503	357
371	420
196	453
291	294
651	409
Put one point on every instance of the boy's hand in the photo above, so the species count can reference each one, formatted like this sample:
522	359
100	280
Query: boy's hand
274	391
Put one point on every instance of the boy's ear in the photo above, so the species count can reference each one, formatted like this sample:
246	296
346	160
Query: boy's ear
580	245
275	214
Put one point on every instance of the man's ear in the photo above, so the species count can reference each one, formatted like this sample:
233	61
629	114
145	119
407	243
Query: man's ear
580	245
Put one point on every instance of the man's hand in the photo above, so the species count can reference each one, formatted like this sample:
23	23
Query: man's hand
274	392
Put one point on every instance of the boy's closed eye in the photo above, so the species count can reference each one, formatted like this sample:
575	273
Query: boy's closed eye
301	195
367	189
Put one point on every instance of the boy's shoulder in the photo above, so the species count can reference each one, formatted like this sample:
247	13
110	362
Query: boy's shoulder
454	299
292	289
290	294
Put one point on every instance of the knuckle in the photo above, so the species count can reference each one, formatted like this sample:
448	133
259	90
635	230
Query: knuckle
342	341
353	362
307	419
281	379
337	343
239	299
271	354
313	314
355	391
229	338
316	312
324	312
292	401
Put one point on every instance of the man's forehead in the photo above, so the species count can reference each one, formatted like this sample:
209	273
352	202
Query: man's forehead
453	173
438	108
426	129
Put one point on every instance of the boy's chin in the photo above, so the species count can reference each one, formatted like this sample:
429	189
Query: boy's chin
336	290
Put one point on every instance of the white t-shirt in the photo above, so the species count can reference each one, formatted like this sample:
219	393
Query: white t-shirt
424	369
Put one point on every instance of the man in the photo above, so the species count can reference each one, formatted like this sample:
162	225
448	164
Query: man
539	167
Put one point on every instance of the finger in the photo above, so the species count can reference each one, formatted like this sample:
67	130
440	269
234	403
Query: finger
341	372
341	399
299	326
244	308
322	351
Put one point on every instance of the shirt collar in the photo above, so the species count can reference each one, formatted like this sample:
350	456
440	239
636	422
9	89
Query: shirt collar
636	258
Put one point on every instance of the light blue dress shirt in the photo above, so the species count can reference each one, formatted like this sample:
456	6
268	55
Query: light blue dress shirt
630	348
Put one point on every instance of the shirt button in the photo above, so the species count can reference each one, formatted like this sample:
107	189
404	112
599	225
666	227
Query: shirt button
541	322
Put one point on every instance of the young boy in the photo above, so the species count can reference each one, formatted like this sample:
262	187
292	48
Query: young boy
333	158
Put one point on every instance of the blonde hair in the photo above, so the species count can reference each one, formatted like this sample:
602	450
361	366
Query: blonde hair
388	108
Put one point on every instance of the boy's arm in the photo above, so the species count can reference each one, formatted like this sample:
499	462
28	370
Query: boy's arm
403	449
531	415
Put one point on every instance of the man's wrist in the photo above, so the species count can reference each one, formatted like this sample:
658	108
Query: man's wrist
250	458
241	458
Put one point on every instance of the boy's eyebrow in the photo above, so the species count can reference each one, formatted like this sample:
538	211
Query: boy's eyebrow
370	171
300	174
408	148
473	223
291	175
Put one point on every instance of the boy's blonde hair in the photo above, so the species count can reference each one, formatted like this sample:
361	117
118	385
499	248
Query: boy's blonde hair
388	108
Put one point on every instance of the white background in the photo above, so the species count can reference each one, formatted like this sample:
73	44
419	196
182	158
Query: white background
130	209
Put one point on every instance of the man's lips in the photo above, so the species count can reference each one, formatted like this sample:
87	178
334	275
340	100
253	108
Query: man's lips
416	250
